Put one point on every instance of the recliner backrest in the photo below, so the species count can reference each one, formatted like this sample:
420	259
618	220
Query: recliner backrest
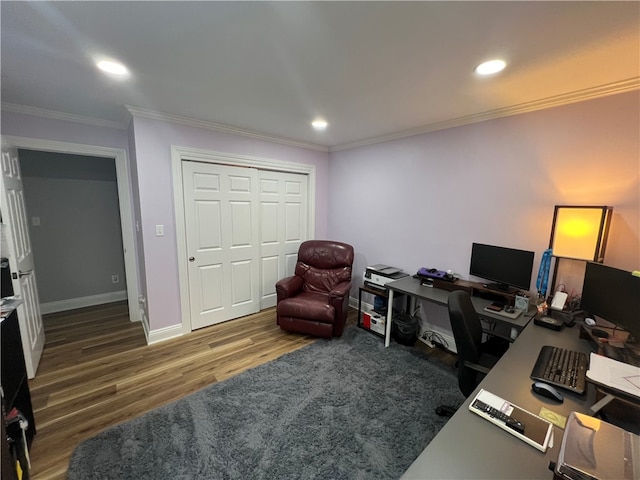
323	264
466	326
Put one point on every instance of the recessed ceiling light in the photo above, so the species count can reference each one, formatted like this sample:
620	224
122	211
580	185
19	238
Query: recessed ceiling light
319	124
492	66
114	68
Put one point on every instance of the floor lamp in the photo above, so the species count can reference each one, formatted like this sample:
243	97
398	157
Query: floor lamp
579	233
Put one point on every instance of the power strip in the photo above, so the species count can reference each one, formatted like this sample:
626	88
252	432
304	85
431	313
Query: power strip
432	344
433	339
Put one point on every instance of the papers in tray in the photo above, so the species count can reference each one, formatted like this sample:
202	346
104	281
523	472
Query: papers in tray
538	432
615	375
513	315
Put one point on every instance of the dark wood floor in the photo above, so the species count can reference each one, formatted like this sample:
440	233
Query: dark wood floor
97	370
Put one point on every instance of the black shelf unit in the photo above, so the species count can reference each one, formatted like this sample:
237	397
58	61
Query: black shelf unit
14	374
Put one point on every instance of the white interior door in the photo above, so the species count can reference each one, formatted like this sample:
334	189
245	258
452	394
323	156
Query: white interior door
283	226
221	220
14	218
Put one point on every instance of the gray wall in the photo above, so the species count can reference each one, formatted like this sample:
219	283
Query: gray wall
78	244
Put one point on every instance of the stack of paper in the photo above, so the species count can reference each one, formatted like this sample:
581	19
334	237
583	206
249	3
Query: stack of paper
615	375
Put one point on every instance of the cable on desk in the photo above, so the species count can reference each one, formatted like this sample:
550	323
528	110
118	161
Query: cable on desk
574	303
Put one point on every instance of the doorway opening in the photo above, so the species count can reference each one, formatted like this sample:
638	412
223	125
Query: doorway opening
74	225
119	160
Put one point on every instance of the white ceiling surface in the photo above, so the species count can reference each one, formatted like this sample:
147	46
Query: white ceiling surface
374	70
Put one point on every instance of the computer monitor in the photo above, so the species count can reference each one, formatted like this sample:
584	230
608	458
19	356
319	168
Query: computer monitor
613	295
507	267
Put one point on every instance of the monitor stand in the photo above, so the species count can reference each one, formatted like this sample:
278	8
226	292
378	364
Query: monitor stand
501	287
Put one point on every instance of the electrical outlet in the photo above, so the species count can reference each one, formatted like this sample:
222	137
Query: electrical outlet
115	278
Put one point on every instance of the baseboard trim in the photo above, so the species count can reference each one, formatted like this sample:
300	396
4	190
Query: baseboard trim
81	302
162	334
353	302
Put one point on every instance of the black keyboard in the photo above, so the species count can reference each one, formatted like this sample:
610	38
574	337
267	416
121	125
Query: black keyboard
562	368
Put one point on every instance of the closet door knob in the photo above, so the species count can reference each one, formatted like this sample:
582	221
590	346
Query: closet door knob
191	259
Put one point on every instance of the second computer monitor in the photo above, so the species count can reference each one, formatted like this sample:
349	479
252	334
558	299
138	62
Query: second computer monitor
508	267
613	295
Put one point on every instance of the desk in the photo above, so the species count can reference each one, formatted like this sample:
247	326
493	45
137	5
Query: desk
470	447
412	288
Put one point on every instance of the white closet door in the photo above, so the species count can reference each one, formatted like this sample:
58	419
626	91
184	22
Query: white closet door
222	225
283	226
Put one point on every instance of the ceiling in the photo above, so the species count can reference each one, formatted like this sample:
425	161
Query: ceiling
373	70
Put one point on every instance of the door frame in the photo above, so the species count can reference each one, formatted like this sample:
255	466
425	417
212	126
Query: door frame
124	201
180	154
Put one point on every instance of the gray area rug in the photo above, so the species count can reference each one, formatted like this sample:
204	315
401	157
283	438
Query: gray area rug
341	409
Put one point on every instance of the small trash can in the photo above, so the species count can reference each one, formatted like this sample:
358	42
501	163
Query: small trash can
405	329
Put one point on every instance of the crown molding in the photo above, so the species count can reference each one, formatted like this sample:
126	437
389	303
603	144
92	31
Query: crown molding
549	102
192	122
55	115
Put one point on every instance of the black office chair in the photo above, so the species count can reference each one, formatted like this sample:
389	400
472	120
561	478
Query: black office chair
475	358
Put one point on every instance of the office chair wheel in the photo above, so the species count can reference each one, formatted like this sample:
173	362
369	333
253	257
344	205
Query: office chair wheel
445	411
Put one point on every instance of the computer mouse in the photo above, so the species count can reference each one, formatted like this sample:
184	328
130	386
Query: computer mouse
547	390
509	309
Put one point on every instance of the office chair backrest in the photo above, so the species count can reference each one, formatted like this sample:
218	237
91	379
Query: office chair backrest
475	358
466	326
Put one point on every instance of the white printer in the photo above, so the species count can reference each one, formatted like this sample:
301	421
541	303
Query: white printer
377	276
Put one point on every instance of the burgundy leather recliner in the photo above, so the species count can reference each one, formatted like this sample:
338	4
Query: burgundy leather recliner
315	300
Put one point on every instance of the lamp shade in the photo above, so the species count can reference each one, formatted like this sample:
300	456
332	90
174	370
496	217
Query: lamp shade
580	232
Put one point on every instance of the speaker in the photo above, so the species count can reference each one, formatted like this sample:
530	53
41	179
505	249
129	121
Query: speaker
549	322
522	303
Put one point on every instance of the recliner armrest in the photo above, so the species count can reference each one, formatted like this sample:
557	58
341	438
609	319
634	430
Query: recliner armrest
340	290
288	287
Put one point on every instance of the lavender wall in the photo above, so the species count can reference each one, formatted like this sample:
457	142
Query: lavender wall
148	143
413	202
422	201
153	140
